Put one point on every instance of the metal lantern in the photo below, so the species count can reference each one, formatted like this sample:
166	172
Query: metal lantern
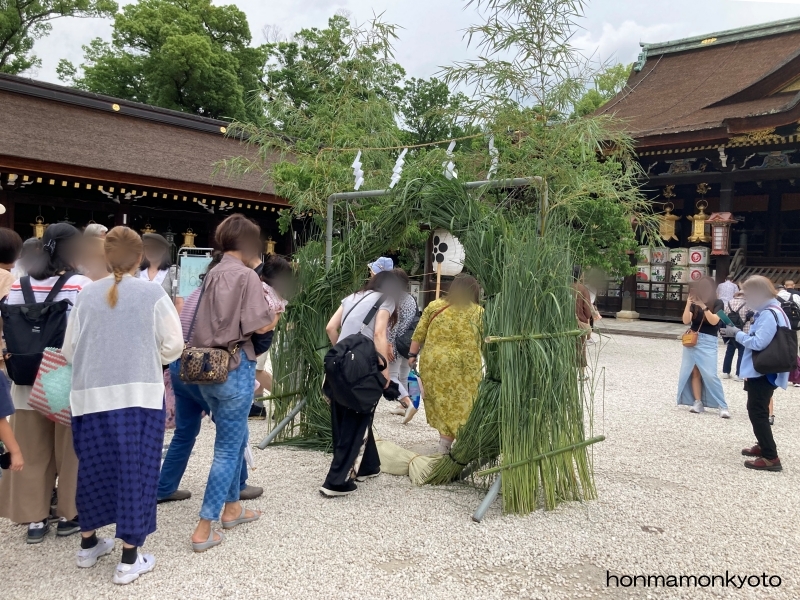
148	229
169	235
269	246
699	223
666	225
188	238
721	232
38	227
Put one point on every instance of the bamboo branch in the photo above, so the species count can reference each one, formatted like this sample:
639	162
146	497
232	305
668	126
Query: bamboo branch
535	336
279	396
550	454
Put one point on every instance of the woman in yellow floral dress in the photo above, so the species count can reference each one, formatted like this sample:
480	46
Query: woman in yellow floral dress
450	365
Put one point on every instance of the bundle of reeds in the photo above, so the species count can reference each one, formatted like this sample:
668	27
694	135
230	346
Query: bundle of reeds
530	401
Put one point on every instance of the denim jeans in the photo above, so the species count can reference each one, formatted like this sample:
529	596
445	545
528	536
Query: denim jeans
189	409
230	404
732	347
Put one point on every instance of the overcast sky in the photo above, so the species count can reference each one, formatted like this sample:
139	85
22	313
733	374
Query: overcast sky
432	29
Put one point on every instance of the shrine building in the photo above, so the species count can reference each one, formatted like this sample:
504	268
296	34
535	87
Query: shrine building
715	121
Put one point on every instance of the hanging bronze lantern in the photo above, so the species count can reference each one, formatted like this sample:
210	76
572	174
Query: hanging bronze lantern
699	223
38	227
269	246
169	235
666	225
188	238
148	229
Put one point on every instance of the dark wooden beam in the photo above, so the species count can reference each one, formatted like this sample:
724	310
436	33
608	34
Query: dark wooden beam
15	163
716	177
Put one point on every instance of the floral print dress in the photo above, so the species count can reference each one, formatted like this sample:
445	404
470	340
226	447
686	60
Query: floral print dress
450	364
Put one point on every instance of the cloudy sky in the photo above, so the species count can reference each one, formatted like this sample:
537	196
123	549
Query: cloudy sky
432	29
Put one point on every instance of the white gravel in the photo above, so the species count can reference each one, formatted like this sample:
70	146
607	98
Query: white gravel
674	499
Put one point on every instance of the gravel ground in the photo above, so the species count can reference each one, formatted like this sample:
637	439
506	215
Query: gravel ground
674	499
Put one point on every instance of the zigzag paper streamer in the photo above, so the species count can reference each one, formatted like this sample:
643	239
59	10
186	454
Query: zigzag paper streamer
357	172
398	168
449	166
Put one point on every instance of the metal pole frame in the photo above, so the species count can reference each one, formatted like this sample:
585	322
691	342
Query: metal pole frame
470	185
489	184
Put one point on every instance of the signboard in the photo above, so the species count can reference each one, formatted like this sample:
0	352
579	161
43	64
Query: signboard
192	267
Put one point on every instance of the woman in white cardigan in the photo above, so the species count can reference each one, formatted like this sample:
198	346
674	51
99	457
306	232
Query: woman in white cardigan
121	331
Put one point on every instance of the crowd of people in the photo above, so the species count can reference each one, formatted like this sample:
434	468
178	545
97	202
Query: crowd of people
120	332
748	319
128	337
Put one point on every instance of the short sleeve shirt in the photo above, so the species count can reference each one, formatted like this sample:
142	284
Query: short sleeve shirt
231	309
355	309
700	324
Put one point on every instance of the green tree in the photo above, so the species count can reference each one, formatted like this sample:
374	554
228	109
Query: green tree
186	55
527	77
316	63
430	111
607	84
22	22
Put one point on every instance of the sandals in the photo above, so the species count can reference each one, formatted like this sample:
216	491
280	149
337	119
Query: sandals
242	519
209	543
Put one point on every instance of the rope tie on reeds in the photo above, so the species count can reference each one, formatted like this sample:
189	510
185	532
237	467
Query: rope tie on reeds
455	460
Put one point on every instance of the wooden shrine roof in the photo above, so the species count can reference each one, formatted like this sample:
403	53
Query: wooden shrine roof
64	131
714	87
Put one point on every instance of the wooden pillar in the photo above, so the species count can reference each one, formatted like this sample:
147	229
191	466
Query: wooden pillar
773	220
629	295
726	192
428	279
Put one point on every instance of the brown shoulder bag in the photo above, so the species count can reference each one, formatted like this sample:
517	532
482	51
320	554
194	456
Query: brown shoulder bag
690	337
204	365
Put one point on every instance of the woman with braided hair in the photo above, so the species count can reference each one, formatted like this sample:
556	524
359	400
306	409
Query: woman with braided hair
118	405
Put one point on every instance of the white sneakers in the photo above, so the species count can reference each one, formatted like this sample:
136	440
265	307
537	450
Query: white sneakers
724	414
697	407
88	557
125	573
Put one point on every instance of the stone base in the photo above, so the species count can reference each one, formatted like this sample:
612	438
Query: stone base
627	315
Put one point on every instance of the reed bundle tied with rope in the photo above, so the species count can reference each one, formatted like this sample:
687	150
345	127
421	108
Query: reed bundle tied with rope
530	401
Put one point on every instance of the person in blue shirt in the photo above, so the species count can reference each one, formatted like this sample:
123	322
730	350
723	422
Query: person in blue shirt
760	294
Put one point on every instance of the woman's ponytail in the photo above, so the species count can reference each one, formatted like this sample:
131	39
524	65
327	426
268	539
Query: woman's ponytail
123	248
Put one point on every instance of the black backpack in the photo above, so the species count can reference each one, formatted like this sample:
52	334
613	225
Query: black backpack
31	327
353	368
403	342
780	355
792	311
735	317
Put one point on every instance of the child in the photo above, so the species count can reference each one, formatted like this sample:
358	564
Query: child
6	433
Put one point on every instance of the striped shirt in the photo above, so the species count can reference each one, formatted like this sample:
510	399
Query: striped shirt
187	312
42	287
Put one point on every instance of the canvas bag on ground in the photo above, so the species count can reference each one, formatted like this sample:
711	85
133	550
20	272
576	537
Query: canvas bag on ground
353	368
31	327
780	356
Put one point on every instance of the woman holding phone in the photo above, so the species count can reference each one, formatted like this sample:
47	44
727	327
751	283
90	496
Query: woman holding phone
698	383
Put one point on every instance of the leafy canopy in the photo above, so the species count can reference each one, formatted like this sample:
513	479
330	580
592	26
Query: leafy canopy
607	84
186	55
22	22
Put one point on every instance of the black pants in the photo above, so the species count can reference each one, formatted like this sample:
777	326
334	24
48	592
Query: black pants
733	347
354	449
759	391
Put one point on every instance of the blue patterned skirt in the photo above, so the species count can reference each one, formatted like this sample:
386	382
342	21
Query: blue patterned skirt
119	459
